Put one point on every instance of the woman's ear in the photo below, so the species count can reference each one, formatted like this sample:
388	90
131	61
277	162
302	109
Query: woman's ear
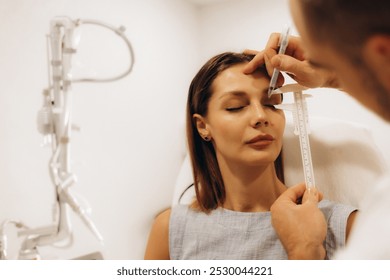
376	53
201	125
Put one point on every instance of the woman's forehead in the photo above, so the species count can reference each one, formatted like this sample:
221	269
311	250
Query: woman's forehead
233	79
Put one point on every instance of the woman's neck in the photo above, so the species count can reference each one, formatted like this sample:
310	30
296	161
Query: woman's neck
250	188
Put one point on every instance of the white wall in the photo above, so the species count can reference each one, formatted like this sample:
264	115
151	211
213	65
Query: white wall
128	152
129	149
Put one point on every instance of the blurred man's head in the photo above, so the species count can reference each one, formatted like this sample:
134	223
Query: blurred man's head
351	38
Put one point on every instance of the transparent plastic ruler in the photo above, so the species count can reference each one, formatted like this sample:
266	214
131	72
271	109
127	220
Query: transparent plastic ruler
301	123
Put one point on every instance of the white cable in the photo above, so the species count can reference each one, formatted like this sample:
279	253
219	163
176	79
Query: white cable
120	32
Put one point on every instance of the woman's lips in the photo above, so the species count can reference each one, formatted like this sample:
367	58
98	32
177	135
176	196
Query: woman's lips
261	141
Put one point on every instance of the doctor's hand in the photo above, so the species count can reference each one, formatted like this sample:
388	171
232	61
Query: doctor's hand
301	226
293	62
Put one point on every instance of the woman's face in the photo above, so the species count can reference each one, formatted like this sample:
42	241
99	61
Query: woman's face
242	123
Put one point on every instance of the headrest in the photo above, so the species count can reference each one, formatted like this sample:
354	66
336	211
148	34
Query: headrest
346	161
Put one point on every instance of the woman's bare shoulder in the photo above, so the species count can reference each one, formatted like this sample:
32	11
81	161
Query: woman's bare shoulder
158	243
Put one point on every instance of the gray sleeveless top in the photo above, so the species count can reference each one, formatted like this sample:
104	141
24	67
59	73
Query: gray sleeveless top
226	234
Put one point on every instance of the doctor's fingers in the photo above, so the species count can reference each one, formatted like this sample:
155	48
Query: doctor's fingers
250	52
293	194
262	58
301	71
256	62
270	66
294	48
312	195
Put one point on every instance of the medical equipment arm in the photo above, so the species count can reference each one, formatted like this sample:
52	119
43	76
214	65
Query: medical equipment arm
55	123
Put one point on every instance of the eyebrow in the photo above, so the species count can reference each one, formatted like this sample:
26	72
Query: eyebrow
240	93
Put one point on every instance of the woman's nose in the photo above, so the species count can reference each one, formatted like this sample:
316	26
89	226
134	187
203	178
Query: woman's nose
258	116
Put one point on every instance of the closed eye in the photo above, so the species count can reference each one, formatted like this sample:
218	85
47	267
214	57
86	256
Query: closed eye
235	109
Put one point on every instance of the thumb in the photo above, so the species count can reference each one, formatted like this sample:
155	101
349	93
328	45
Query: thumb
312	195
294	193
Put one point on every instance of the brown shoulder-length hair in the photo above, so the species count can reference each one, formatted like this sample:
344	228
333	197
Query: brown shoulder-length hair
208	182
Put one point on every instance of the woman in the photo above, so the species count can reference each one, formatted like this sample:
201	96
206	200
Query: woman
235	139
